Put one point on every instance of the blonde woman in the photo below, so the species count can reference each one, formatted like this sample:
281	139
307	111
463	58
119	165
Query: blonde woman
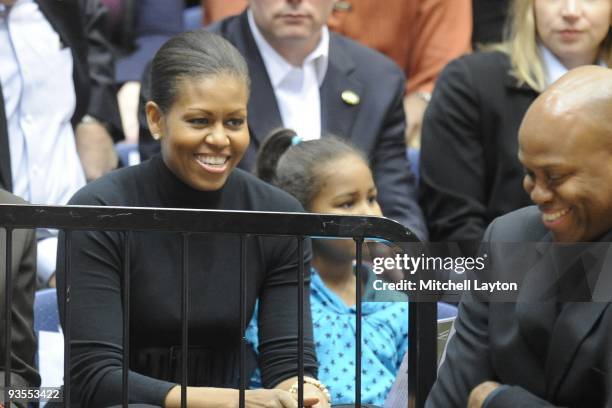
470	172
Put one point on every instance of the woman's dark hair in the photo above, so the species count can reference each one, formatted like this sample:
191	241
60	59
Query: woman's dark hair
193	54
299	168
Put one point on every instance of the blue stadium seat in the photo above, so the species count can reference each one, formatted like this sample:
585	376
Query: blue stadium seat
192	18
128	153
46	319
446	311
413	158
46	316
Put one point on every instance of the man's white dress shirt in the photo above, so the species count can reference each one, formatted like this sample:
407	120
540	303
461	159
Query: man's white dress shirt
296	88
39	101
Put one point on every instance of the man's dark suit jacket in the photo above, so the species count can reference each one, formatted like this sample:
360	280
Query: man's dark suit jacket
469	170
375	125
547	360
24	284
80	25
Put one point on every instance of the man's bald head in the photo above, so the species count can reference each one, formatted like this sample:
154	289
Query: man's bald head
565	144
584	93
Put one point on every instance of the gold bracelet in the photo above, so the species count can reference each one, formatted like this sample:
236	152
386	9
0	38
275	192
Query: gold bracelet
293	390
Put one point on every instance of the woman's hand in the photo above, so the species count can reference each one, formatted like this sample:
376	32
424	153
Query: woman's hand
205	397
314	397
273	398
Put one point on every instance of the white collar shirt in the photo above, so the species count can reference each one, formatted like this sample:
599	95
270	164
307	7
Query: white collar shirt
36	73
296	88
555	68
39	101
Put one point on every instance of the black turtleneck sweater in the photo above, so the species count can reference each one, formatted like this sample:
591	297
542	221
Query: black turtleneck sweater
214	265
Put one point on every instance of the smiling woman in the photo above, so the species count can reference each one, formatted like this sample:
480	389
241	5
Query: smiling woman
198	108
204	134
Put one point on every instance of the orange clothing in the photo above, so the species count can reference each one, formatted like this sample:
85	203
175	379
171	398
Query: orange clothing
421	36
215	10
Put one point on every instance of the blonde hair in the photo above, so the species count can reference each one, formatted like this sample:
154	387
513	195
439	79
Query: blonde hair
521	45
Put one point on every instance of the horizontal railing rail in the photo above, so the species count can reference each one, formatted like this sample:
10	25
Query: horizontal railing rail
201	221
422	315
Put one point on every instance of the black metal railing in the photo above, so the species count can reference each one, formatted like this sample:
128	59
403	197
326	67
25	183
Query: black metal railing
422	315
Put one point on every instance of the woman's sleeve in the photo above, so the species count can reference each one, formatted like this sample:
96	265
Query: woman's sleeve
96	321
452	166
278	317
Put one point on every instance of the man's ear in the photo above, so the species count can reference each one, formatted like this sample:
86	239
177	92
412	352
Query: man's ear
155	118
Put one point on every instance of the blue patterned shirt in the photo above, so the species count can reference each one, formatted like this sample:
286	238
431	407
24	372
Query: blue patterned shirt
384	332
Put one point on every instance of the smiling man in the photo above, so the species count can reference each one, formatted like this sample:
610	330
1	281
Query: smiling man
553	346
566	149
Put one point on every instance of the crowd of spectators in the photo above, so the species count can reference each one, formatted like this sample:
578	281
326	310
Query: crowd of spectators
501	103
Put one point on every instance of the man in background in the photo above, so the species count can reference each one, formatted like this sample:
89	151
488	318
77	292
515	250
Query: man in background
421	36
58	110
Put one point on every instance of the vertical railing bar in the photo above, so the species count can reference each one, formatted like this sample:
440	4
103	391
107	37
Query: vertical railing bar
413	354
184	317
243	323
300	243
126	318
358	264
67	315
427	344
414	349
8	300
421	350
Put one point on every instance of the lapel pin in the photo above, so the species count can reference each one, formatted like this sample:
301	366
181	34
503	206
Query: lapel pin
350	97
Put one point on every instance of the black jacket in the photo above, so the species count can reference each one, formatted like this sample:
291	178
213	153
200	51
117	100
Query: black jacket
550	353
470	172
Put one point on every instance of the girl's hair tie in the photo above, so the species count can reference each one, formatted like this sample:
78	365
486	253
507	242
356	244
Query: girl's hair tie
296	140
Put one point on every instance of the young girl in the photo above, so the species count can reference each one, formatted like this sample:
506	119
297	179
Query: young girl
329	176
